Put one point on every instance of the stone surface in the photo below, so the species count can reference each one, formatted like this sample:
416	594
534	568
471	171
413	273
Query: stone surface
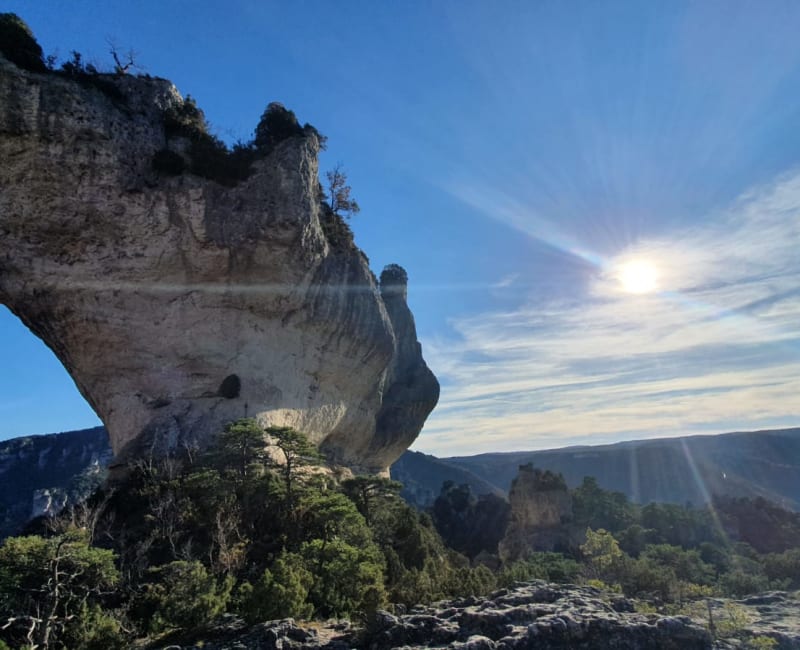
531	615
155	291
39	474
540	505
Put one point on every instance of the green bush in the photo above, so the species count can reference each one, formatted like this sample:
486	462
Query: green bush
347	579
61	575
183	595
281	592
18	44
553	567
277	124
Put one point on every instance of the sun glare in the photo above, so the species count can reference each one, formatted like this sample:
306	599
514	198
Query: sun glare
638	276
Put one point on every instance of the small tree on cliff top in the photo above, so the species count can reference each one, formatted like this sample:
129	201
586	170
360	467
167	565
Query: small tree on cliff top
339	193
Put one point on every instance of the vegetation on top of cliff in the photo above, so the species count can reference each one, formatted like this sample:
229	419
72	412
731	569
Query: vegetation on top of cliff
18	44
542	479
206	155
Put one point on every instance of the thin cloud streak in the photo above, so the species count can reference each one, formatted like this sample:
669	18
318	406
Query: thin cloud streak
717	348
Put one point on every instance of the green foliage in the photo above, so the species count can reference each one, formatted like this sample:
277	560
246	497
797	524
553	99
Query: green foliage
765	526
182	595
470	526
347	579
601	554
553	567
18	44
680	526
209	156
784	566
96	629
595	508
277	124
369	493
280	592
687	564
298	453
241	448
46	582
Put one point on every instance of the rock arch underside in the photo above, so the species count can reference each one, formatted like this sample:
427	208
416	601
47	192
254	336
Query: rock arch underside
178	304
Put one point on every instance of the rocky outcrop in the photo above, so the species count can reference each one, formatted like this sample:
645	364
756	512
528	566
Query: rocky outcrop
540	505
177	303
529	615
534	615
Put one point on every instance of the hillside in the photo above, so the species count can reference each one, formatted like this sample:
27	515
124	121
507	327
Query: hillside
35	470
674	470
37	473
422	476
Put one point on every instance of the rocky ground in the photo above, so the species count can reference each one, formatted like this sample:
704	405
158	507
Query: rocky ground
532	615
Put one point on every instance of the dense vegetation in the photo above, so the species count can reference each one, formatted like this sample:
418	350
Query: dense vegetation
664	552
191	145
255	527
252	526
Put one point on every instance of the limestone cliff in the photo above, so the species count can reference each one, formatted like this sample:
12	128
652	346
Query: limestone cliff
540	505
177	303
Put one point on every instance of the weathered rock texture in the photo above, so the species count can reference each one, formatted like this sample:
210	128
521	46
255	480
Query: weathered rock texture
155	291
540	505
536	615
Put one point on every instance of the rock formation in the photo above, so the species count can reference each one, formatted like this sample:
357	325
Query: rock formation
540	505
177	303
533	615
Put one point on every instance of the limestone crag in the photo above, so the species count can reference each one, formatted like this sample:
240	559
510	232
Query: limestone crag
527	615
178	304
534	615
540	505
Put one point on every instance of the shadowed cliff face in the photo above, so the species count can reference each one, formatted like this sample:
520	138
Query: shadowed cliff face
177	304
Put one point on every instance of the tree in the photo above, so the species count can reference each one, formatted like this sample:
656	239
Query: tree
339	193
281	592
183	595
241	447
347	579
122	62
45	584
368	492
601	553
298	452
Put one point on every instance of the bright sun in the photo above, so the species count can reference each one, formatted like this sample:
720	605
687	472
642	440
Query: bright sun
638	276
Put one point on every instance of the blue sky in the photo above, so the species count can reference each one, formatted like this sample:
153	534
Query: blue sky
522	160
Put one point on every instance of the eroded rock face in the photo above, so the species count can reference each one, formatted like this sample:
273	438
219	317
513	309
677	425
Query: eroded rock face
530	615
177	304
540	505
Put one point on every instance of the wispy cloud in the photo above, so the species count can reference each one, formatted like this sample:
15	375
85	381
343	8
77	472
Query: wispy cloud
716	348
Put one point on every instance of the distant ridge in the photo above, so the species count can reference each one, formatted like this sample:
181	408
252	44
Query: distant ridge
39	474
674	470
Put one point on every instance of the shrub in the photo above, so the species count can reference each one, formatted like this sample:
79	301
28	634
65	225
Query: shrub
276	125
347	580
18	44
183	596
281	592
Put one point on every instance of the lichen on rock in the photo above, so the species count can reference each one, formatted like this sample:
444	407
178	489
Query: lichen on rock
178	303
